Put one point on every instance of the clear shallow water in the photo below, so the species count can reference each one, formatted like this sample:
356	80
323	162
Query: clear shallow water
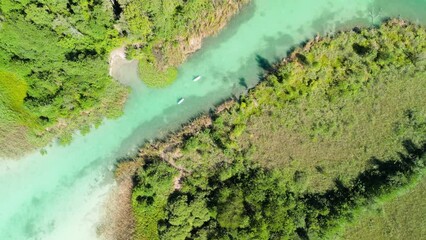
60	195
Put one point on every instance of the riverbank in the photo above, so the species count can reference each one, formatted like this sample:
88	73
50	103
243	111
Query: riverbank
55	100
121	69
167	48
53	192
53	73
247	136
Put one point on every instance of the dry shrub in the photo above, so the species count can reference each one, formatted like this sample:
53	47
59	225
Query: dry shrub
119	222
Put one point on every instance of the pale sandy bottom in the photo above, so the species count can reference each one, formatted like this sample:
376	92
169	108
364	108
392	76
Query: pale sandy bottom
123	70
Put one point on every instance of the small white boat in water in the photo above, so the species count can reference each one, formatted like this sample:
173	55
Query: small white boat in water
196	78
181	100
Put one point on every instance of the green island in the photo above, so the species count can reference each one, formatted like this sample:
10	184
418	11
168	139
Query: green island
54	60
330	141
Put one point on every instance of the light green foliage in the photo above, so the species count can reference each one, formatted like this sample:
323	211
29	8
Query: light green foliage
160	32
399	218
157	78
139	24
13	113
336	130
12	90
59	49
336	103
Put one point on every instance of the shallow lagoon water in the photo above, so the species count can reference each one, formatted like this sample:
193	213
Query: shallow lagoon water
60	195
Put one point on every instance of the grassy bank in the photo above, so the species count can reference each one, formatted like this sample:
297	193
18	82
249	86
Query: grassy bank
399	218
54	60
331	130
162	35
59	51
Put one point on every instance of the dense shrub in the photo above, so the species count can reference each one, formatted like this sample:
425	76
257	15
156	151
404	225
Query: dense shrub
163	33
60	49
239	182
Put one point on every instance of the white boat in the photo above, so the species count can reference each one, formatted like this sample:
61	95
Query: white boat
196	78
181	100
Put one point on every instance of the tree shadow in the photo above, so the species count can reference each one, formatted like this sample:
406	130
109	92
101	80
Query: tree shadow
117	9
384	176
264	63
243	83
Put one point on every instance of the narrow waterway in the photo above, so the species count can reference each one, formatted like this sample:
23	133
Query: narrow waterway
59	195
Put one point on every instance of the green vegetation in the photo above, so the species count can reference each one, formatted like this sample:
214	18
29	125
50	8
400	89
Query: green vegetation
150	201
400	218
13	90
163	33
54	71
14	115
54	59
154	78
332	131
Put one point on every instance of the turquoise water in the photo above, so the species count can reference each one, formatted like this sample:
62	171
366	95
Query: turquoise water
60	195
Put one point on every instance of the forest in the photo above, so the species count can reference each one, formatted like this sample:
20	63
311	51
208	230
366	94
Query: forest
336	128
57	50
54	59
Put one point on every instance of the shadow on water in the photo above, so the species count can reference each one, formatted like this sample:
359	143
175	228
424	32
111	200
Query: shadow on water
264	63
278	47
409	10
243	83
325	22
159	127
254	68
245	14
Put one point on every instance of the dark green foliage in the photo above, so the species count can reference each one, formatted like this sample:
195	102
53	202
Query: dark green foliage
385	178
60	49
254	203
163	33
183	215
328	93
152	188
395	217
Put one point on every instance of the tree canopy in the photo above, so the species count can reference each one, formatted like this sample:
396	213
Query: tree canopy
263	168
60	49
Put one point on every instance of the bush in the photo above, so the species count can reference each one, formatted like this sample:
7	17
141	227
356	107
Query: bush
328	134
154	78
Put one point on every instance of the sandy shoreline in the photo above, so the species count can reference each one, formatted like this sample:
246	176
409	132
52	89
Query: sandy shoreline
123	70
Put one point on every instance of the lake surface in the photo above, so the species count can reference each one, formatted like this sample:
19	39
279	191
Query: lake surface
60	195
